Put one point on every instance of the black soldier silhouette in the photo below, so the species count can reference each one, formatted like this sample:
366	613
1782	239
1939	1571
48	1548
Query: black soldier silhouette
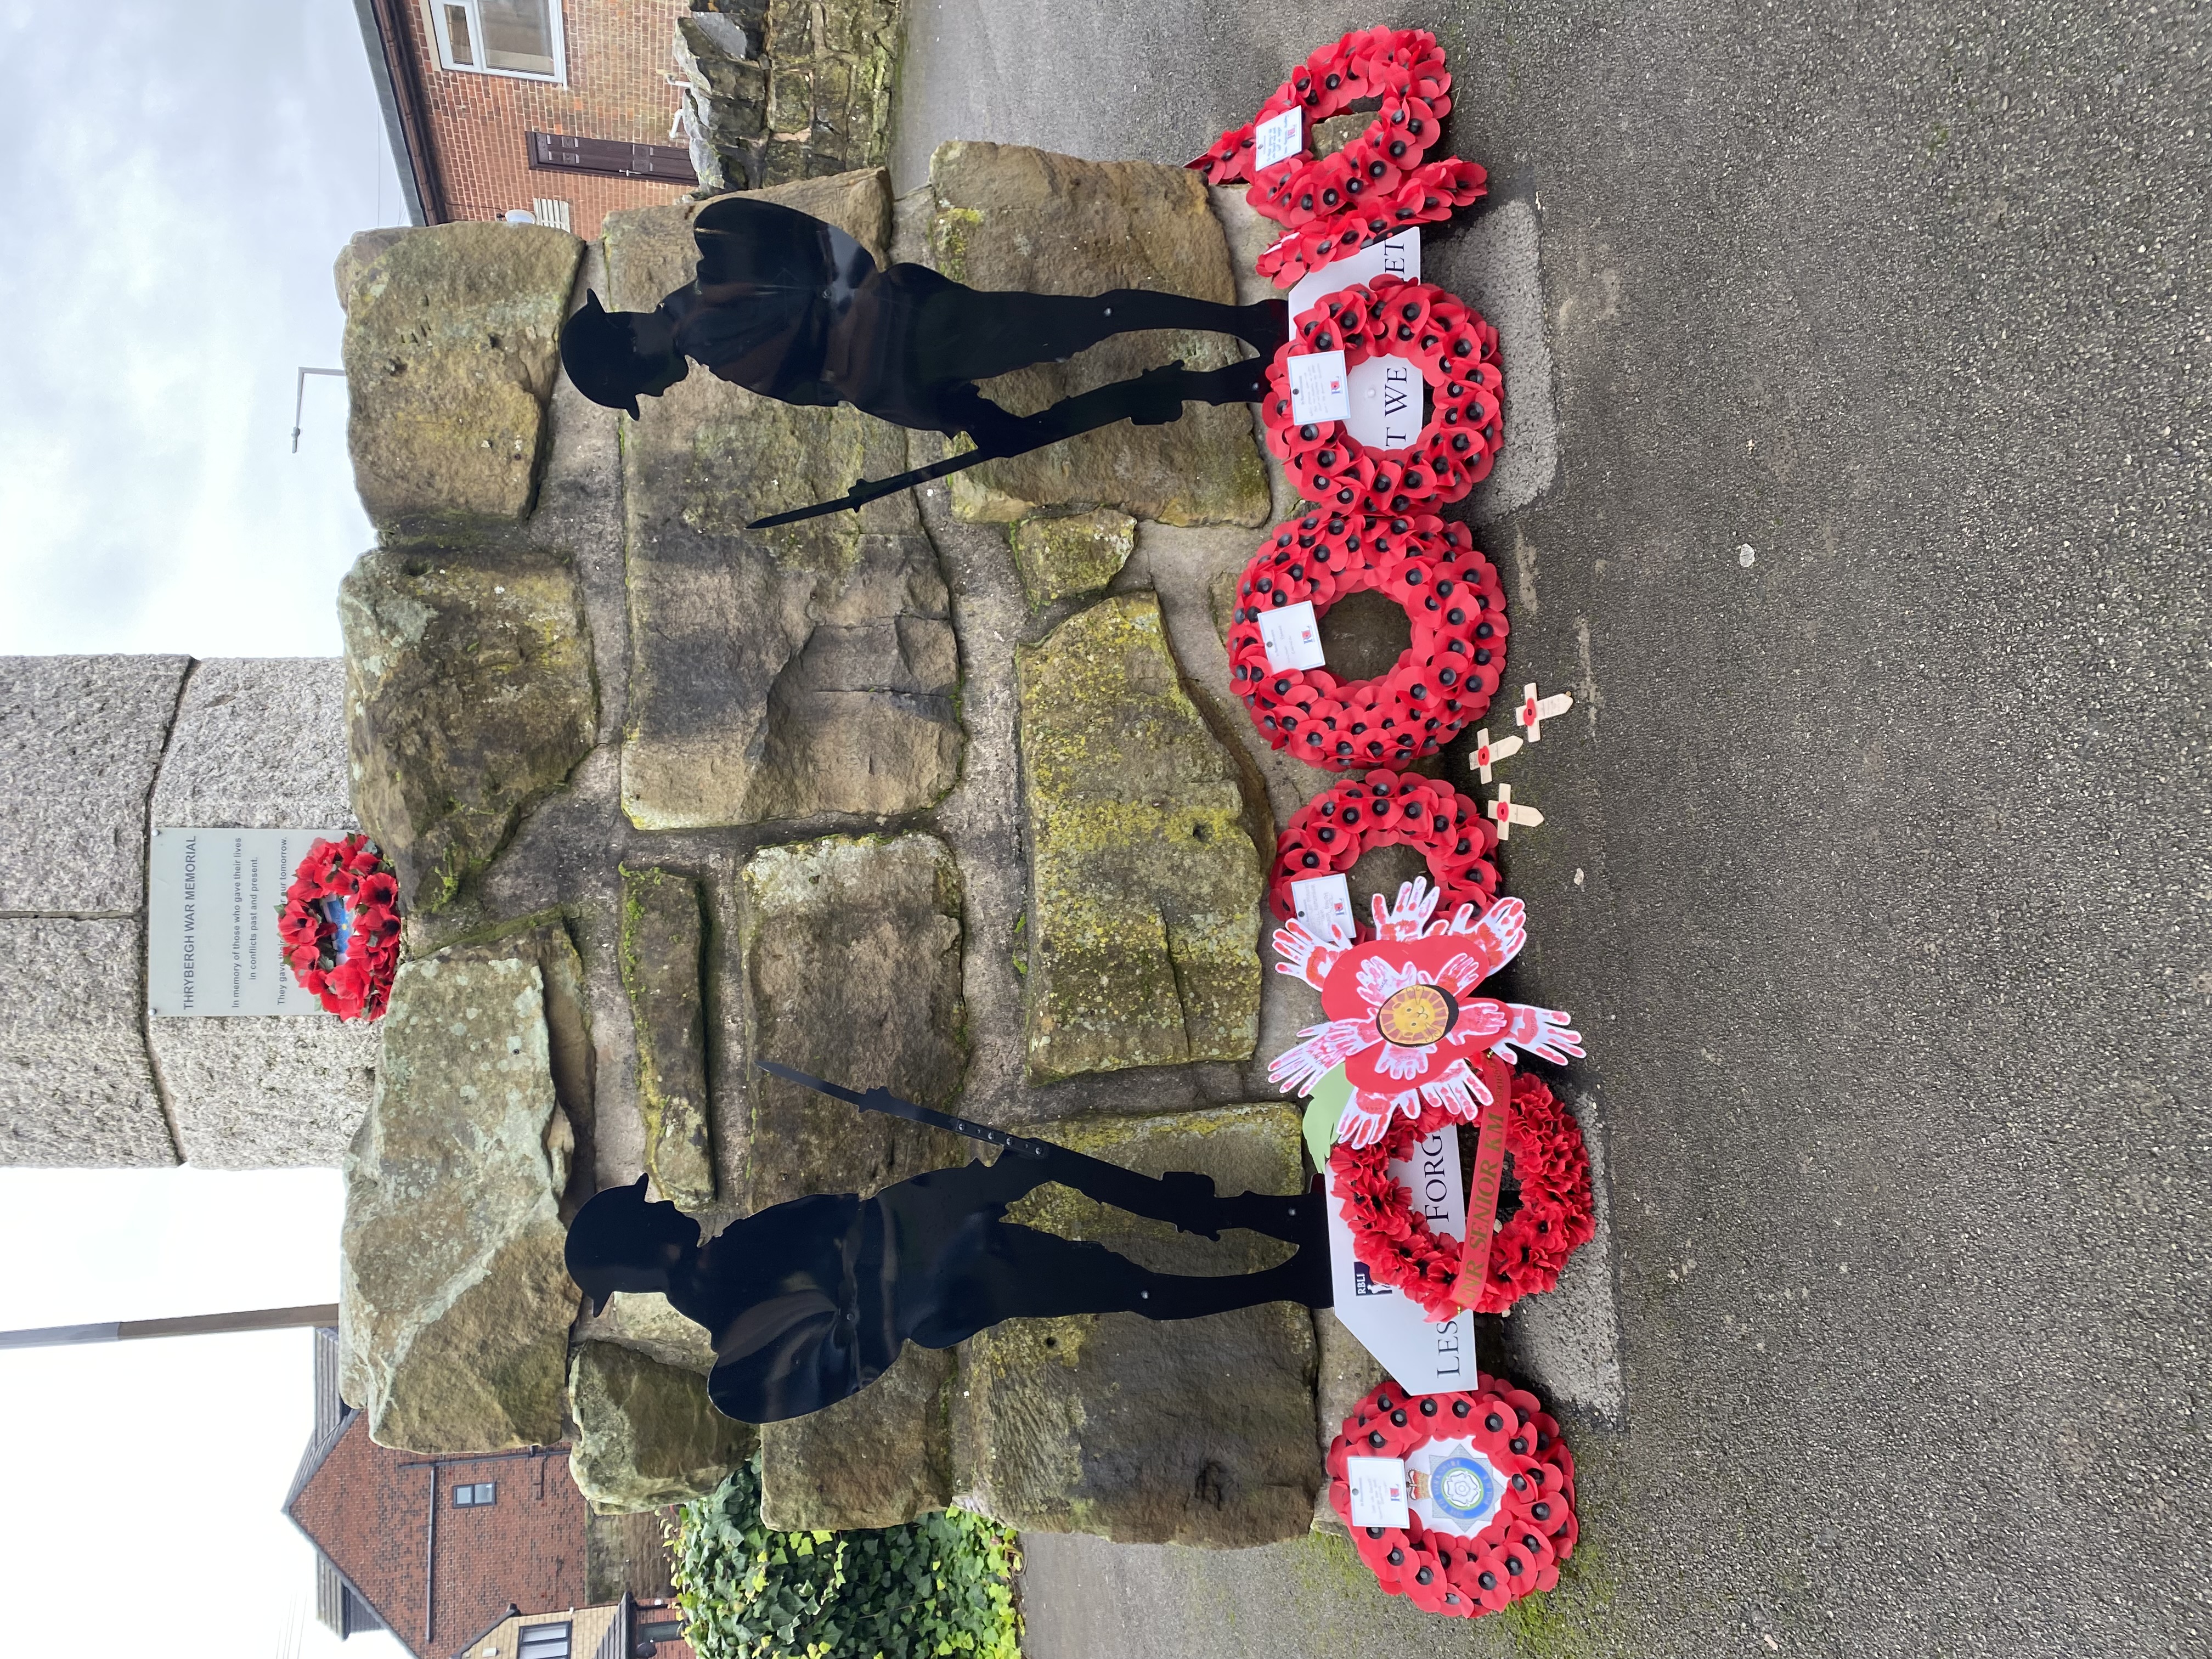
810	1301
793	308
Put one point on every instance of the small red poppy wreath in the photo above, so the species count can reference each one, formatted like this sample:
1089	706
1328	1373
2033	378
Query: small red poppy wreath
1547	1161
340	926
1443	679
1387	808
1374	187
1489	1489
1456	351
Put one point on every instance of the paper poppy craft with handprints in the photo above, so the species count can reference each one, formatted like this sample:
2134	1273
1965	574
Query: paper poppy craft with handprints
1401	1021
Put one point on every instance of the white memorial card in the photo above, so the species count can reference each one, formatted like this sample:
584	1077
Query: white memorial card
1378	1490
1320	389
1324	906
1424	1357
211	942
1291	636
1278	139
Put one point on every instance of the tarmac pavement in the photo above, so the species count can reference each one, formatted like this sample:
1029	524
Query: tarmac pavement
1874	861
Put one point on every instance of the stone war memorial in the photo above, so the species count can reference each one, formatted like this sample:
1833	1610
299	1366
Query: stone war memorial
1005	796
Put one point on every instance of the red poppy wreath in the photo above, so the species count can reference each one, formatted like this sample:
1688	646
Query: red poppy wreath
1443	679
1387	808
1456	351
1487	1486
340	926
1374	187
1545	1218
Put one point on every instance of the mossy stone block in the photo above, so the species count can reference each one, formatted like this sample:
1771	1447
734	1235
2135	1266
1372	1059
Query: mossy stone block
1063	558
661	957
1145	884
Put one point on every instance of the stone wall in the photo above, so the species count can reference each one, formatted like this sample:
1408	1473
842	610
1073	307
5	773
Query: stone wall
780	90
95	753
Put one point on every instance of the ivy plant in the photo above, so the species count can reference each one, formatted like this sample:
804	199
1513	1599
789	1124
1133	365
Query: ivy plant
941	1585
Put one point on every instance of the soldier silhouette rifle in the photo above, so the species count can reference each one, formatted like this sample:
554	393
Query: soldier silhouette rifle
810	1300
793	309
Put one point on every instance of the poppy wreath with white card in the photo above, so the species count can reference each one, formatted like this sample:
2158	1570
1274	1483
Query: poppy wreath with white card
1455	350
1375	185
1491	1510
1387	808
1444	680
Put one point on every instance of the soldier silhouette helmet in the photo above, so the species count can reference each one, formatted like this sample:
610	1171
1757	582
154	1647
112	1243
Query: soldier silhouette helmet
623	1241
614	357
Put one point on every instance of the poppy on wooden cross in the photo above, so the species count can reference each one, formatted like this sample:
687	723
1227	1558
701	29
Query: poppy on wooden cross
1508	813
1487	753
1534	710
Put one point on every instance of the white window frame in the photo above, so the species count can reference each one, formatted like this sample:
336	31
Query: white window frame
434	18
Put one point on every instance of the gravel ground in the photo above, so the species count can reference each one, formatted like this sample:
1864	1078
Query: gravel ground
1875	866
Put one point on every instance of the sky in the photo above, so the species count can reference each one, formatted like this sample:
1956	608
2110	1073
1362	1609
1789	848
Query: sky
178	179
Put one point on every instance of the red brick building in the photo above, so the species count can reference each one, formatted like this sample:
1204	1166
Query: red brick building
438	1551
560	108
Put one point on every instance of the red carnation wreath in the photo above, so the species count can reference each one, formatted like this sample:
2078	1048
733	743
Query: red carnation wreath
1548	1161
340	926
1456	351
1386	808
1375	185
1496	1511
1444	678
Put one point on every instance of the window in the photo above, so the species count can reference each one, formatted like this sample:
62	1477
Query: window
552	210
545	1642
500	37
612	157
475	1497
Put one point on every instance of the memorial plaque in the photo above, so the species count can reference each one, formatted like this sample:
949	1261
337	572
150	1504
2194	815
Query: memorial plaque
214	898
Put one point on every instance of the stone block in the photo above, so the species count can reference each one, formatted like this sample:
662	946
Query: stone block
469	695
1063	557
451	350
264	1094
790	99
851	950
1011	217
259	743
647	1435
81	739
1145	885
789	34
660	947
784	161
649	1323
76	1086
362	249
1187	1431
788	673
881	1458
454	1305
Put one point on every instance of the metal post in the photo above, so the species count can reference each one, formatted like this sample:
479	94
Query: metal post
131	1330
299	398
